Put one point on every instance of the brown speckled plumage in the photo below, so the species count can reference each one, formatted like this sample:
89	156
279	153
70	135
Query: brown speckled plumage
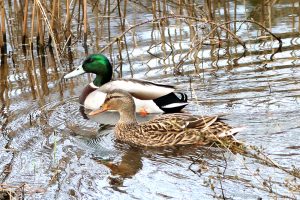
164	130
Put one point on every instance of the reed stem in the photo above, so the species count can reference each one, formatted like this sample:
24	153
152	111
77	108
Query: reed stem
41	34
32	24
24	28
52	23
85	24
3	30
108	27
68	27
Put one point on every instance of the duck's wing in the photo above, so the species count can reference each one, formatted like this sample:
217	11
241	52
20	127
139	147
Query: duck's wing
174	129
211	125
178	122
141	89
186	121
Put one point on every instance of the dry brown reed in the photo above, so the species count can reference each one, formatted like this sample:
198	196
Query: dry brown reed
54	17
3	29
24	27
32	25
85	22
40	40
68	25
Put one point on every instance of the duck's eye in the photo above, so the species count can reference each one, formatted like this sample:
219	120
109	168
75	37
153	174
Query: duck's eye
89	60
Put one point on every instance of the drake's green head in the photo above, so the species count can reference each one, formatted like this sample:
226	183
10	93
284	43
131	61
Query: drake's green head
97	64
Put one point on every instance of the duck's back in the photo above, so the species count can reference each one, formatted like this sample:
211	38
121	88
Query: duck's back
176	129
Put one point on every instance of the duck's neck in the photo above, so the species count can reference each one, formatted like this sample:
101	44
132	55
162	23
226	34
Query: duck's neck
128	117
104	76
100	80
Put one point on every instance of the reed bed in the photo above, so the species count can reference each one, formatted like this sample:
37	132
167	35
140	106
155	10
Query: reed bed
47	22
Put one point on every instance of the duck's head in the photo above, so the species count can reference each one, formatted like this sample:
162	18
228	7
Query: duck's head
97	64
117	100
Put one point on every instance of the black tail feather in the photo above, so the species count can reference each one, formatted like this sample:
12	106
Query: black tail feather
183	98
171	98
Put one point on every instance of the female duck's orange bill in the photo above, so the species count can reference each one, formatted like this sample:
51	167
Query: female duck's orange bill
103	108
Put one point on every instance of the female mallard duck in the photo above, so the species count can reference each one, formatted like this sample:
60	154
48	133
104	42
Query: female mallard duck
149	97
164	130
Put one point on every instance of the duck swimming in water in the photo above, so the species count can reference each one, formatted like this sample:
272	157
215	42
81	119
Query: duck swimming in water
165	130
149	97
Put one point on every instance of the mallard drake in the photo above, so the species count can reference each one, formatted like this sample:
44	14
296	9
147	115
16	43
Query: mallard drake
149	97
164	130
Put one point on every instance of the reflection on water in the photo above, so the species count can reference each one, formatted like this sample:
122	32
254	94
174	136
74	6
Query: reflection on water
48	150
